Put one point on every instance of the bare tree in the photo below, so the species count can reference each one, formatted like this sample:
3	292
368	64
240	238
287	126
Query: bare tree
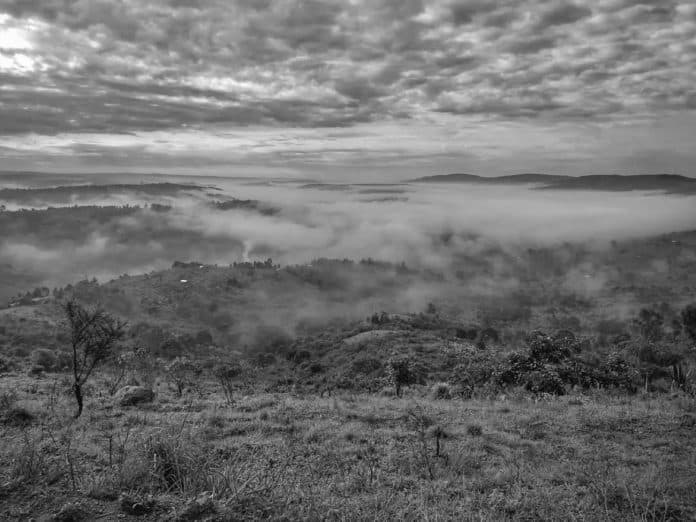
94	334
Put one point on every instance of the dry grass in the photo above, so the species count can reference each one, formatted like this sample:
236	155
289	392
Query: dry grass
352	457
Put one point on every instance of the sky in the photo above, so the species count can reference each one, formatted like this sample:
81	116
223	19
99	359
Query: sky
358	90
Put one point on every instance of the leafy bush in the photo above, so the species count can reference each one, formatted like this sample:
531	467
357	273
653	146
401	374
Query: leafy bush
182	372
545	380
619	373
544	348
649	324
44	358
474	373
366	365
403	371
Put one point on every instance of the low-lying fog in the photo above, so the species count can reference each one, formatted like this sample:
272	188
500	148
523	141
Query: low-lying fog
423	225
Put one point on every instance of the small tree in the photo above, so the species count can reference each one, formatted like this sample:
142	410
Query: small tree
183	372
688	317
649	324
93	336
402	371
226	374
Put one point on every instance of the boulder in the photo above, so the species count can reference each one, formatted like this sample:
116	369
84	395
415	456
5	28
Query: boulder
133	395
137	507
197	508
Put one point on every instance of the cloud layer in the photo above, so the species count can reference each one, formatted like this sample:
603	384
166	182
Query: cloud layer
113	67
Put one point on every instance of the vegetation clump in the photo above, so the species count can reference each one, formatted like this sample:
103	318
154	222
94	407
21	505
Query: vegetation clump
182	372
93	337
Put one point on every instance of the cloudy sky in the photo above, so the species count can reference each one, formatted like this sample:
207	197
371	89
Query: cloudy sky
348	89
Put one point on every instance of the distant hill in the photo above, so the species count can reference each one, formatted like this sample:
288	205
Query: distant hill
493	180
671	183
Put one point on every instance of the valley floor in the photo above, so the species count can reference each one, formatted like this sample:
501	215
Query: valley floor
289	456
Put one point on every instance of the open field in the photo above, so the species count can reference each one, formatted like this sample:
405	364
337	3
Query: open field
289	456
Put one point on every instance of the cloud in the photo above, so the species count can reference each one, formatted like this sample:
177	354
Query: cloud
122	66
563	14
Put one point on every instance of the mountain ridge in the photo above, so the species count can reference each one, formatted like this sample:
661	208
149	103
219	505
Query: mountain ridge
672	183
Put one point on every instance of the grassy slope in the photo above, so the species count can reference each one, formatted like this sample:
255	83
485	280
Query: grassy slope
355	457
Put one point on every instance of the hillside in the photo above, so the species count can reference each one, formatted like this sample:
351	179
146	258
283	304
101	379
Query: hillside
669	183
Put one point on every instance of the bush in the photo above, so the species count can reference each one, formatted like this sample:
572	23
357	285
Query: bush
469	334
366	365
271	339
226	374
617	372
204	337
170	347
489	334
688	317
45	358
6	365
183	372
403	371
474	373
299	356
545	380
441	391
649	324
543	348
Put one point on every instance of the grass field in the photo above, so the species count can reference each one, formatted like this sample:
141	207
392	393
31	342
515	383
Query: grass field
289	456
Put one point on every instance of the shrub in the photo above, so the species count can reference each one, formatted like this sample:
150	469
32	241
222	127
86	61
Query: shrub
299	356
94	334
514	368
402	371
688	317
610	327
466	333
45	358
226	374
271	339
489	334
265	359
545	380
649	324
474	430
6	365
125	364
543	348
441	391
617	372
366	365
182	372
475	372
316	367
17	417
170	347
204	337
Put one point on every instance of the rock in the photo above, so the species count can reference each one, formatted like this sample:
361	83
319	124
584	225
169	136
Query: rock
136	507
134	395
18	417
71	513
202	505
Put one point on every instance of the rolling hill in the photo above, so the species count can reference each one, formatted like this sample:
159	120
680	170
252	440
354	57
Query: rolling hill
670	183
